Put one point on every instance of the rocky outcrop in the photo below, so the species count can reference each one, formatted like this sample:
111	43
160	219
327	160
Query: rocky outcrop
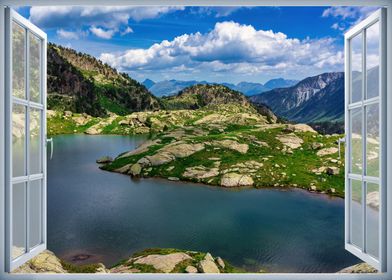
290	140
233	145
200	172
105	159
359	268
327	151
236	180
163	263
46	262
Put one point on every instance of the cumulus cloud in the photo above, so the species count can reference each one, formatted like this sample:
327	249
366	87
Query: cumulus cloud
232	47
109	18
101	33
64	34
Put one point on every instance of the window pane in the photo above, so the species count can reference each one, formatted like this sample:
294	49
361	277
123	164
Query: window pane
18	140
35	141
356	141
372	218
372	140
356	221
18	220
356	68
34	68
18	60
372	60
35	212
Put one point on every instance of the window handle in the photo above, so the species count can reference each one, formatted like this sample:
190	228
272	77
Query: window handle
341	140
50	140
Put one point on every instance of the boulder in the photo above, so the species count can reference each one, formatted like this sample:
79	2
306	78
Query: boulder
317	146
105	159
200	172
45	262
124	169
332	170
173	178
207	266
67	114
233	145
208	257
164	263
135	169
359	268
327	151
220	262
301	127
141	149
191	269
290	140
236	180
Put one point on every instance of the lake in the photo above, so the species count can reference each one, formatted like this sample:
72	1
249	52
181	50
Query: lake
98	216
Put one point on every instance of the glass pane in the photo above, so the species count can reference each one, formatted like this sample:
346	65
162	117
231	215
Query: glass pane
18	140
35	141
356	221
34	68
18	220
35	212
372	60
356	141
18	60
356	68
372	140
372	218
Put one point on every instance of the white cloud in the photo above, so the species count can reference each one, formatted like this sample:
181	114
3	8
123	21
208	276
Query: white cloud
347	16
127	31
216	11
107	17
70	35
232	47
101	33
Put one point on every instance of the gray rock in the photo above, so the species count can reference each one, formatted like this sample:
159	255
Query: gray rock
191	269
207	266
135	170
220	262
105	159
236	180
332	170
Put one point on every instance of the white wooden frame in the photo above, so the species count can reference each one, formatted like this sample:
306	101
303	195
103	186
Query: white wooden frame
380	17
10	17
296	276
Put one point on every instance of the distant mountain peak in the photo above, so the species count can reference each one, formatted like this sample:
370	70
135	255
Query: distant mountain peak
148	83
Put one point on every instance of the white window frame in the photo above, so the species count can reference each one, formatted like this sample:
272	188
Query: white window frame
377	17
278	276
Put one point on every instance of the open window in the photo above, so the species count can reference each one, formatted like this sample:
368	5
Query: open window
25	140
365	125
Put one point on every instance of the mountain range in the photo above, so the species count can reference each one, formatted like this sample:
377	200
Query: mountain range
172	87
315	99
81	83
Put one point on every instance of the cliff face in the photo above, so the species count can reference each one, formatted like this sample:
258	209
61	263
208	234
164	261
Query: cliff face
80	83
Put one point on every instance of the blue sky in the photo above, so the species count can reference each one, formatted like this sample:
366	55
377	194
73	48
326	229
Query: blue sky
217	44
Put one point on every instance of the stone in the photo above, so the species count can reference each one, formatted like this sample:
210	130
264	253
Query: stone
141	149
359	268
220	262
135	169
101	269
207	266
191	269
170	168
164	263
124	269
290	140
233	145
173	179
200	172
45	262
208	257
317	146
124	169
67	114
332	170
332	190
105	159
327	151
313	188
236	180
301	127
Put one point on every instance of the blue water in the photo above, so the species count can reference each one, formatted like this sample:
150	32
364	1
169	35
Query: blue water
105	217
